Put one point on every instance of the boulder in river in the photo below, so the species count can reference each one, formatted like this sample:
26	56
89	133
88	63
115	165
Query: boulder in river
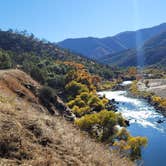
127	122
160	121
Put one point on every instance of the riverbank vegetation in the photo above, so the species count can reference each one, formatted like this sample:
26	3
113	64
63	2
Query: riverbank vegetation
93	114
107	85
159	102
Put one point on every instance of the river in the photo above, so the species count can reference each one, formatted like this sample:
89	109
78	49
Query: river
143	122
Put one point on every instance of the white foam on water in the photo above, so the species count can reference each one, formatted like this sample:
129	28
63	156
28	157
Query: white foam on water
136	110
119	96
124	83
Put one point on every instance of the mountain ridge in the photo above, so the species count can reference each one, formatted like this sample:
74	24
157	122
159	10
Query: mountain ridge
151	53
95	48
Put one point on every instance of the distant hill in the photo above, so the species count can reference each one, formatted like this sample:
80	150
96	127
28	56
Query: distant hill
21	42
153	52
96	48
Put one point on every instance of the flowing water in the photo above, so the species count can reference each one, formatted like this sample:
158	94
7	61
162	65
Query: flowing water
144	121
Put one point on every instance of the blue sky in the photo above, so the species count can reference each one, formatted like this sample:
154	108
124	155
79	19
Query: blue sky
56	20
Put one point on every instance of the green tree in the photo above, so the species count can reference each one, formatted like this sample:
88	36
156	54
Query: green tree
38	74
5	60
47	94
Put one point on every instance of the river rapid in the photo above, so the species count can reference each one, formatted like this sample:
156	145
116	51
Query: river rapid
144	121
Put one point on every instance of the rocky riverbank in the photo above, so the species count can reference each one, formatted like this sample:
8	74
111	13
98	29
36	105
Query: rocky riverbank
153	90
156	86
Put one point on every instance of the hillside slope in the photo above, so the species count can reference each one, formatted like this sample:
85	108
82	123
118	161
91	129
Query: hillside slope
22	42
23	48
96	48
151	53
30	135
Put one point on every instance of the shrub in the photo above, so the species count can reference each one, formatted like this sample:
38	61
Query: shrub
74	88
47	94
135	144
85	96
38	74
77	101
123	134
80	111
57	82
161	102
156	99
95	103
105	120
105	101
129	144
105	85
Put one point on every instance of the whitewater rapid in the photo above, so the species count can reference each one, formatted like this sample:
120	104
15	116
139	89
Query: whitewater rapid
144	121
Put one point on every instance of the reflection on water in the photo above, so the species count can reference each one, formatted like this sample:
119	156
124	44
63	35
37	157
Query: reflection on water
144	122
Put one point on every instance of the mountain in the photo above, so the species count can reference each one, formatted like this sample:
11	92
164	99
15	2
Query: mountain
153	52
96	48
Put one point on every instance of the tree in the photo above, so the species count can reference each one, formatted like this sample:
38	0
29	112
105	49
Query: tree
57	82
5	60
38	74
47	94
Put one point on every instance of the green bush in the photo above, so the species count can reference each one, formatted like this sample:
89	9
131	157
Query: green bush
38	74
74	88
57	82
47	94
95	103
135	144
81	111
105	120
85	96
77	101
5	60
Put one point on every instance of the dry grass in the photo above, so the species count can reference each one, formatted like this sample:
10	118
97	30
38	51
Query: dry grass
31	137
18	82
